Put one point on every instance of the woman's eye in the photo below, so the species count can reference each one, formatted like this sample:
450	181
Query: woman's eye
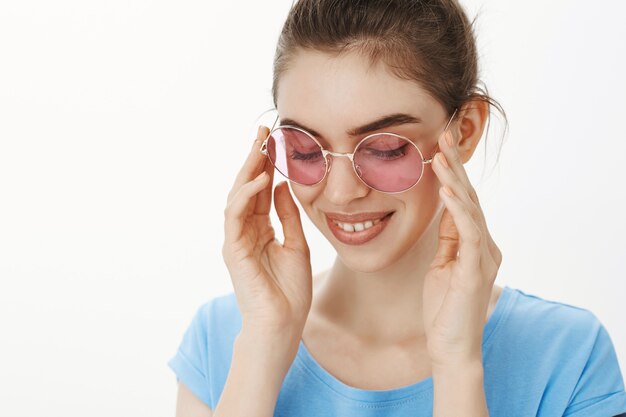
305	156
388	154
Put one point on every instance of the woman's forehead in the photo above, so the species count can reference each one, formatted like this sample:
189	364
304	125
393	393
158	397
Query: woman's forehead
347	87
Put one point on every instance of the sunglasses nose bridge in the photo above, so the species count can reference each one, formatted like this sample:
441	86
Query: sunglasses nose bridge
350	156
355	168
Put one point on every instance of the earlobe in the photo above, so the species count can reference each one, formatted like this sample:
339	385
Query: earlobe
470	127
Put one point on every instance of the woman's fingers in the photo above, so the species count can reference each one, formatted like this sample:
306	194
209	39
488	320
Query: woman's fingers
236	209
253	165
448	247
451	172
443	168
466	213
456	165
263	202
470	234
455	177
289	216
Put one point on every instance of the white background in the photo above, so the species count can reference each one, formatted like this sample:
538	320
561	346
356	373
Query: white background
124	123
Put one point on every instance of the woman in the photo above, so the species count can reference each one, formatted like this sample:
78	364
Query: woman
378	110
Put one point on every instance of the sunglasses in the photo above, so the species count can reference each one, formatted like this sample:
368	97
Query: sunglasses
386	162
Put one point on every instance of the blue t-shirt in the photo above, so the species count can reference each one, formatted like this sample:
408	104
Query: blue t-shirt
541	358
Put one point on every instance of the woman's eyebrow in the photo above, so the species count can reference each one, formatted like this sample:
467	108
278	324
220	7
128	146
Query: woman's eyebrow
380	123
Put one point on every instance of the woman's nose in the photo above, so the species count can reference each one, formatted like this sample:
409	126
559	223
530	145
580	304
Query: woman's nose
342	184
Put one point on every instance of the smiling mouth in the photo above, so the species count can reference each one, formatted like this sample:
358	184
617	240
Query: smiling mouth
355	227
358	233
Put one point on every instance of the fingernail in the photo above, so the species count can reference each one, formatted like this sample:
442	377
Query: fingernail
260	130
260	176
449	139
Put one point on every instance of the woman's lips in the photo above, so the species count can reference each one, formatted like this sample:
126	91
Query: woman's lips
358	217
358	238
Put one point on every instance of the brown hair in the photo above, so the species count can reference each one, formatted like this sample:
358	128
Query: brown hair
430	42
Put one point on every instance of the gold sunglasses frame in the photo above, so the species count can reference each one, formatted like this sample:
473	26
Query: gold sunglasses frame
325	153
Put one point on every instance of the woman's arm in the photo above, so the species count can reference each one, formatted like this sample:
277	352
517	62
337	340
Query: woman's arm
188	405
459	391
258	369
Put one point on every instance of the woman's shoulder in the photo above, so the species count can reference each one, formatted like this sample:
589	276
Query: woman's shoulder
562	348
549	329
223	303
543	314
221	314
202	360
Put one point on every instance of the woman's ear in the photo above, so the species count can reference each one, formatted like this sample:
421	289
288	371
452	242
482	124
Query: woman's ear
469	127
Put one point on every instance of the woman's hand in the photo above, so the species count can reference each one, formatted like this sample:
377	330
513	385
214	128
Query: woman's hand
272	281
458	286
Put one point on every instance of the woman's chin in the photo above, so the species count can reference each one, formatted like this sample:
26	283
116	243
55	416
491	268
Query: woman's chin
371	259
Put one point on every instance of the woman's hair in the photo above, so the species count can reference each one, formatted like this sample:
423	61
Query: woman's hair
430	42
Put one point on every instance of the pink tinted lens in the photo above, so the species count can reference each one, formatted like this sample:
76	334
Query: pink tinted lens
388	163
296	156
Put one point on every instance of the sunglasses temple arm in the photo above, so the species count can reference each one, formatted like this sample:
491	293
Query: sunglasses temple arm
264	144
428	161
274	124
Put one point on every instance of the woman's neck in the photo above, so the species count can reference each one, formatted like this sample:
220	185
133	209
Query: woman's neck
382	307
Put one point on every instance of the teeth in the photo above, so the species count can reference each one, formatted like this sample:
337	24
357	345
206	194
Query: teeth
358	227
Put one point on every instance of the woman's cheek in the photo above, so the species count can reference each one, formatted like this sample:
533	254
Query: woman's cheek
302	193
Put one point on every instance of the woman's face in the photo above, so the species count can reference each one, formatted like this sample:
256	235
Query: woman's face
333	95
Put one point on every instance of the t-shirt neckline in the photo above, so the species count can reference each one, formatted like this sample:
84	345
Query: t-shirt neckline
423	386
